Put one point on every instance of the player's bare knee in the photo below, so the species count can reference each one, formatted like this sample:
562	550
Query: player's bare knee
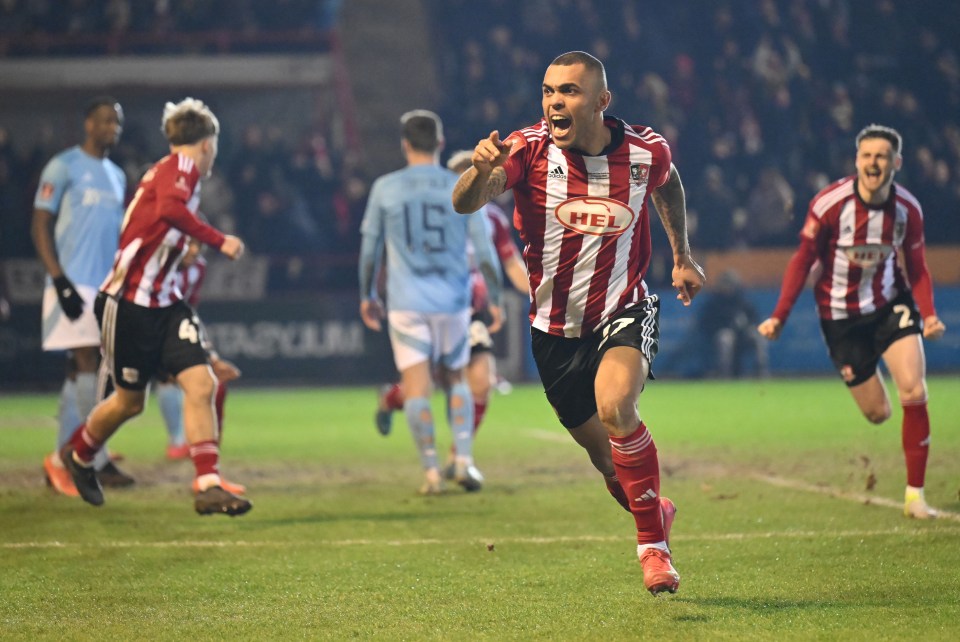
877	415
132	406
618	417
914	393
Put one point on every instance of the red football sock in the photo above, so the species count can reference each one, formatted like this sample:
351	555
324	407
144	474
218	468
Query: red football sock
479	409
84	444
394	397
635	460
916	441
220	399
616	490
205	456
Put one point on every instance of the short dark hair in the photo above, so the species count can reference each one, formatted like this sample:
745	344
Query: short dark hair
100	101
874	130
189	121
582	58
422	129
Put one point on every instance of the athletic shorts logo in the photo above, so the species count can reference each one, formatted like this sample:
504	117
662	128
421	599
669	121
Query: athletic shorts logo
846	372
130	375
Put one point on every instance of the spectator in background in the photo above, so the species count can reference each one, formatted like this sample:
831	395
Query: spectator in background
769	210
726	320
77	215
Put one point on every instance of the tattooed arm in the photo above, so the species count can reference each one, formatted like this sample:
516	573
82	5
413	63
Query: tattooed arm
486	179
474	190
670	202
672	208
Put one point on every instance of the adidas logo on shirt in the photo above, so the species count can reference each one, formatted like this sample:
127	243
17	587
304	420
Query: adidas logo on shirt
557	172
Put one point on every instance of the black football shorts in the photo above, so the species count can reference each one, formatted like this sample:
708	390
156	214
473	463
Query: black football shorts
568	366
856	345
138	341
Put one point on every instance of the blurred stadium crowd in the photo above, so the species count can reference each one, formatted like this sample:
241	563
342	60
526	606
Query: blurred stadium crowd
131	17
759	100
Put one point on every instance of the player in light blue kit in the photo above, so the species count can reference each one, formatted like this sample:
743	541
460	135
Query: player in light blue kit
77	215
409	213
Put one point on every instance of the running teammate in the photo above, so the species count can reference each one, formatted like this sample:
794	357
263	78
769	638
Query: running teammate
146	325
859	228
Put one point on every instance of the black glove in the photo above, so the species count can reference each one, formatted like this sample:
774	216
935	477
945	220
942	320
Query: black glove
70	299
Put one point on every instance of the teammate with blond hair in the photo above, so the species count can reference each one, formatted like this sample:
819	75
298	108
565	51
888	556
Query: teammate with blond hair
146	325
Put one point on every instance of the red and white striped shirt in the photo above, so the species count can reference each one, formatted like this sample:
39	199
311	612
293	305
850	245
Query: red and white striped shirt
584	222
190	280
858	246
506	250
153	237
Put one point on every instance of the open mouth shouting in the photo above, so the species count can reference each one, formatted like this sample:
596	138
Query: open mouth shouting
560	126
873	175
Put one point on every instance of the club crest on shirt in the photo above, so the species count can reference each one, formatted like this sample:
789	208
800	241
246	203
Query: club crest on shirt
639	173
899	230
594	215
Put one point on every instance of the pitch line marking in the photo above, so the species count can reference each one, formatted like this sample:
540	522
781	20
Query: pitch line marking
782	482
709	537
829	491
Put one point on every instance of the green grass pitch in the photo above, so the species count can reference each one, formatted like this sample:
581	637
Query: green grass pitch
789	527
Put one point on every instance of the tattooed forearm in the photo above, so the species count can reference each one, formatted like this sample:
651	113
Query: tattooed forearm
671	206
473	192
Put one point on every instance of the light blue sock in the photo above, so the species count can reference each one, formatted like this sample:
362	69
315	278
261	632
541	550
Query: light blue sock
420	419
170	399
461	419
68	416
86	400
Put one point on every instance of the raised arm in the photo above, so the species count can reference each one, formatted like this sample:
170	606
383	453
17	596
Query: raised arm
671	205
486	179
